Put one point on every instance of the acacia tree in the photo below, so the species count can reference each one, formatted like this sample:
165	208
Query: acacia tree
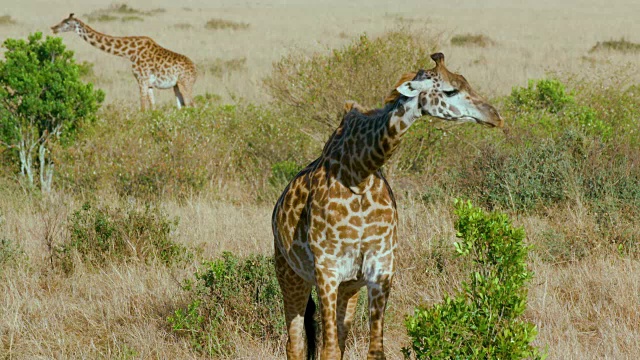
42	100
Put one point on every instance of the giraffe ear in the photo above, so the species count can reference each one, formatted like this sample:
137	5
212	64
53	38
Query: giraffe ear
410	88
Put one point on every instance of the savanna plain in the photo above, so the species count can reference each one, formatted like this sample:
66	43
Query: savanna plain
149	209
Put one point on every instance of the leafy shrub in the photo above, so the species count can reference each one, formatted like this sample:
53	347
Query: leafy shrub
11	253
43	100
549	94
483	320
315	88
174	153
100	235
519	180
231	295
282	172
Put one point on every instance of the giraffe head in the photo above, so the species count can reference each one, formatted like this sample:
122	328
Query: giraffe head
68	24
446	95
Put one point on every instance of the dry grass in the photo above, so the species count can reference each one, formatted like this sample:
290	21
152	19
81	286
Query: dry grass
522	53
584	309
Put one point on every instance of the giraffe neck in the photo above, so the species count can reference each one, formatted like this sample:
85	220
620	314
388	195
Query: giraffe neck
120	46
367	142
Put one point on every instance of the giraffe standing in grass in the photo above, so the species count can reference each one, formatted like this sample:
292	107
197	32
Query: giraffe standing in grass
153	66
335	224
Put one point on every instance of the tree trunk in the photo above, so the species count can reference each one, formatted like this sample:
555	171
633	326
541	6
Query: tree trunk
46	169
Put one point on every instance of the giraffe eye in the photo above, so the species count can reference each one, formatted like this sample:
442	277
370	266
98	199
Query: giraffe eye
451	93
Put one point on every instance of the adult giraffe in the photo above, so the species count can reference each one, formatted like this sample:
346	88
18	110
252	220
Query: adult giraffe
153	66
335	224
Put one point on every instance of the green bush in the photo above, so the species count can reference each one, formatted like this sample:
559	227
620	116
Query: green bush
483	321
42	100
519	179
175	154
11	253
231	295
282	172
315	88
100	235
549	94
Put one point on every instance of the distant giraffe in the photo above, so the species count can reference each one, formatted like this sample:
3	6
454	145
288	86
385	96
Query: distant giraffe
335	224
153	65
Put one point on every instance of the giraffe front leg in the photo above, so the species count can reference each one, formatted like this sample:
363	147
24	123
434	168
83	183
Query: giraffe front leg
295	292
144	96
346	308
327	287
378	293
152	100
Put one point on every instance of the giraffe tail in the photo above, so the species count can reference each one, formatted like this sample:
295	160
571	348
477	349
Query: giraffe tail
310	328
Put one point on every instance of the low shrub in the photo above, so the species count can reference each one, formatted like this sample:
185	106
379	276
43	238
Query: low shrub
231	296
313	89
518	180
548	94
483	321
101	235
11	253
282	172
472	40
218	24
7	20
621	45
176	154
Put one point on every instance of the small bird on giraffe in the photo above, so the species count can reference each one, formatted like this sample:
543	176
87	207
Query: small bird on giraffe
153	66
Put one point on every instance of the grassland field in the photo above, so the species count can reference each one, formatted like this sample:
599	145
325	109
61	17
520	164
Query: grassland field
585	295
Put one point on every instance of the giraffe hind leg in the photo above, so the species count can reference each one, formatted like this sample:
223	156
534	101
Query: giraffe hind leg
185	88
179	96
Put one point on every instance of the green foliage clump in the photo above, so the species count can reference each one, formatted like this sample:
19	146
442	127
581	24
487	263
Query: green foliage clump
175	154
519	180
42	100
100	235
548	94
282	172
231	294
483	321
315	88
11	253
